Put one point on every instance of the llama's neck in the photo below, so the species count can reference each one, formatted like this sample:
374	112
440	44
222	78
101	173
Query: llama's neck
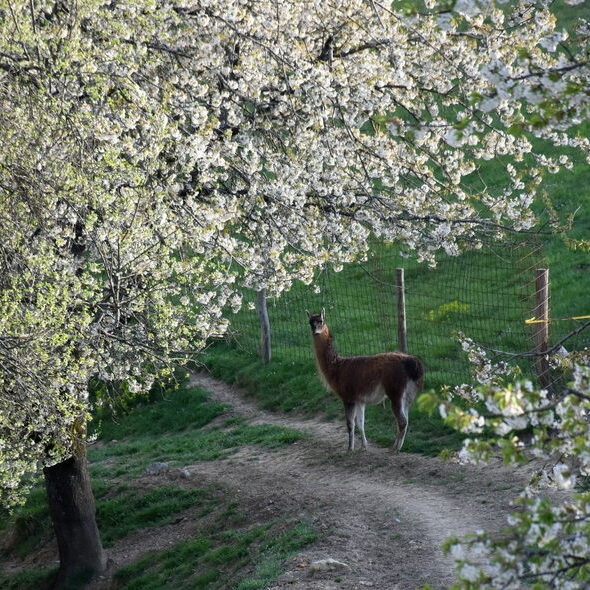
325	354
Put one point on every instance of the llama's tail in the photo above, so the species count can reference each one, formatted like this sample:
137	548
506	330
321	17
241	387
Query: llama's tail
415	369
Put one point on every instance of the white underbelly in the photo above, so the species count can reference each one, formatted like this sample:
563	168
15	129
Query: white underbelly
374	396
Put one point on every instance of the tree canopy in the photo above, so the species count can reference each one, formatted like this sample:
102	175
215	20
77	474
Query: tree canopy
154	154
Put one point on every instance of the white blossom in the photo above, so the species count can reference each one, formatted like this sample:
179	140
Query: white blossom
162	156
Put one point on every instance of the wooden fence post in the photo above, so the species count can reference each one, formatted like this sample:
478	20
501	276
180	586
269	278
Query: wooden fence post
541	329
265	345
402	343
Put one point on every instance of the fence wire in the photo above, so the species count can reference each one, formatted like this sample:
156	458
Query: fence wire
486	295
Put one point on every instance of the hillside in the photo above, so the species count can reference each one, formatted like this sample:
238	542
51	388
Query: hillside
247	499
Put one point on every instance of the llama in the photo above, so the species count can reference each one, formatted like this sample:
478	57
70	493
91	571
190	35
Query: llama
361	380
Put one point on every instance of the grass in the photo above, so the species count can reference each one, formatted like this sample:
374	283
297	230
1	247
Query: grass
170	429
128	508
361	314
133	456
31	579
178	427
211	560
228	553
294	386
31	526
166	411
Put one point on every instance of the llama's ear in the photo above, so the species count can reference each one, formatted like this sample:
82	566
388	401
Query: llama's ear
323	314
308	314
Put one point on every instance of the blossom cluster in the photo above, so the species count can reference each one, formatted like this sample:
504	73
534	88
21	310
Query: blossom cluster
545	543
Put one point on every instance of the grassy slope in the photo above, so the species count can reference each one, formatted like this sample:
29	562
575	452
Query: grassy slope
294	386
290	381
175	427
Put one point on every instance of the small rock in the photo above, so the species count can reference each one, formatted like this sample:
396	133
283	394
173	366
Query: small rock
185	473
287	578
327	565
157	468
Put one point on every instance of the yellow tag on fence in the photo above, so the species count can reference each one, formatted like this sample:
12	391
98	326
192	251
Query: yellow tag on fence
534	320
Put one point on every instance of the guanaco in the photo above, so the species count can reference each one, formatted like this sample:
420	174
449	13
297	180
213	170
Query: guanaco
361	380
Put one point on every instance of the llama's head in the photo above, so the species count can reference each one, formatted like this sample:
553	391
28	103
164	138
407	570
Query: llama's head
317	321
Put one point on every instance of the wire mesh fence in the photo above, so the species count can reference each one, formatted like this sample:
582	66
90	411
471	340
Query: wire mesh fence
485	295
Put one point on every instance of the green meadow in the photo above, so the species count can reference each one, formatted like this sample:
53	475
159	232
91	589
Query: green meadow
485	294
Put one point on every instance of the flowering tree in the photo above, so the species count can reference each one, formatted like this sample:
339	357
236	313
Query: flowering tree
154	152
545	544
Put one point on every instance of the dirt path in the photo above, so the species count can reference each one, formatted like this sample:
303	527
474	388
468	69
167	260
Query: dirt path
382	514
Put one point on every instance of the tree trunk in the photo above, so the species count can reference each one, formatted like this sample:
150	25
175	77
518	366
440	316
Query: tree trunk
73	512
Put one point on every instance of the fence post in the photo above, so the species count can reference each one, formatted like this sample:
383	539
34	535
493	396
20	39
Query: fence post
402	343
541	330
265	347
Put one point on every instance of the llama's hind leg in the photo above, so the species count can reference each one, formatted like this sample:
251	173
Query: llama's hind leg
400	411
350	410
360	423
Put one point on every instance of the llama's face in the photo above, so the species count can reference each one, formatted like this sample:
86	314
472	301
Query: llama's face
316	321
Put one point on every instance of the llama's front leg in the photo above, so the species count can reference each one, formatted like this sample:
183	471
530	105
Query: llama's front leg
360	423
350	411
